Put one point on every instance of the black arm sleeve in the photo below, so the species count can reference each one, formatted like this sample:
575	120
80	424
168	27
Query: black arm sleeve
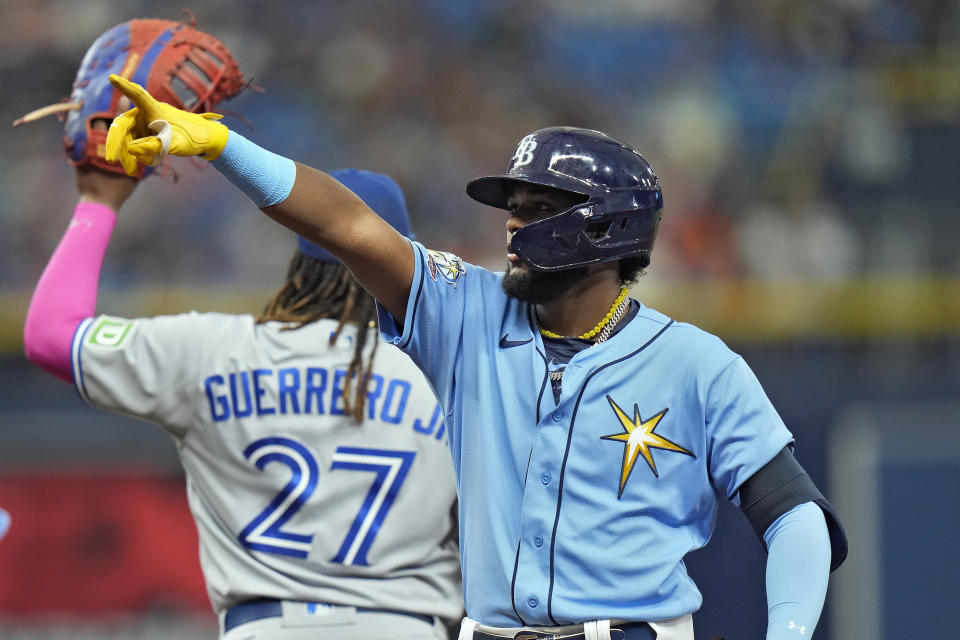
779	486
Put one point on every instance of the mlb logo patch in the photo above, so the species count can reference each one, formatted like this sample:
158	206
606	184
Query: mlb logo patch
320	609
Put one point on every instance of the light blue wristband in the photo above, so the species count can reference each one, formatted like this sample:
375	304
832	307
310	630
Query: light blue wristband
262	175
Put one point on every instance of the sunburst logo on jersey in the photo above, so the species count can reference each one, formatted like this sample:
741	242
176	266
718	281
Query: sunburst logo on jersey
639	438
446	265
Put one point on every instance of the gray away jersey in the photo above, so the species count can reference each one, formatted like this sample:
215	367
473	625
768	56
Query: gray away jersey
292	498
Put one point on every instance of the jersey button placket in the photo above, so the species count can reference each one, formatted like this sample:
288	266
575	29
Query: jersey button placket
537	513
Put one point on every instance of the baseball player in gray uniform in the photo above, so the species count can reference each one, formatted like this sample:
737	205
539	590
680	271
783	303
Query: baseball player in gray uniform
316	462
317	465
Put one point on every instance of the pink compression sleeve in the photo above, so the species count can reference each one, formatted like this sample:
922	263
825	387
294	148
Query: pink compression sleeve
67	291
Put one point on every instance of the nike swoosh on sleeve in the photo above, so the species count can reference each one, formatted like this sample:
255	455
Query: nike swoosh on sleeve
506	344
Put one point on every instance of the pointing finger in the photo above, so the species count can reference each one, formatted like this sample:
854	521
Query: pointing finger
137	94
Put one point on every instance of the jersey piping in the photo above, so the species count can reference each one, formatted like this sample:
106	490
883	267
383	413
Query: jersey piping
566	453
76	360
516	563
546	376
543	384
526	473
416	301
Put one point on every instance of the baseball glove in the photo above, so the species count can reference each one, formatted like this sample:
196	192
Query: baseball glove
175	62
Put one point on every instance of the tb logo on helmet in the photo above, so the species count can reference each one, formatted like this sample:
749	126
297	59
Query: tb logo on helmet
524	153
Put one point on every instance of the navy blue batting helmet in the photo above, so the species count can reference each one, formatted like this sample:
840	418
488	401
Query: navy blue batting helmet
621	207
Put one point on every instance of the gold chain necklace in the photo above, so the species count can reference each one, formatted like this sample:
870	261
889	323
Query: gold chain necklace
618	305
604	328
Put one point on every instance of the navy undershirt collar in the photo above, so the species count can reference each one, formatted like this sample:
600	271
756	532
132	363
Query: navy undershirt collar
561	350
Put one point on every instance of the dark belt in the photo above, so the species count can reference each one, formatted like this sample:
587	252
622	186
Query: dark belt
622	631
260	609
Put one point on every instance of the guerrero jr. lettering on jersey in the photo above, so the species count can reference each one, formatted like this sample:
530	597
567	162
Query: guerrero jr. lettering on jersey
310	390
639	437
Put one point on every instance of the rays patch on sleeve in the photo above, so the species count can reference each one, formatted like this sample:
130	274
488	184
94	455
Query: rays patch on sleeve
639	438
445	265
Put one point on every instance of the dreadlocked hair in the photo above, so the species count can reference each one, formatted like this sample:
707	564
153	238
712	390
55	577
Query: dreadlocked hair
315	290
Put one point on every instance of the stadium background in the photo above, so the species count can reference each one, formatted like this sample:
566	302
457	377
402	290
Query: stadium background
808	153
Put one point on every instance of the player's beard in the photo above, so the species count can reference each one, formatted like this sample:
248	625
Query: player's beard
538	287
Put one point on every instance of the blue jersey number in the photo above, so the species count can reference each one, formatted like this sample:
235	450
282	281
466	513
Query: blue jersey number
264	532
391	468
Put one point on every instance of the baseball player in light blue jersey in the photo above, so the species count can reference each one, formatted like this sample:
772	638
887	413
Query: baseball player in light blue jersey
591	436
317	465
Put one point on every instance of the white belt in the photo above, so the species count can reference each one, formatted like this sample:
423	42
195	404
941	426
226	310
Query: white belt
680	628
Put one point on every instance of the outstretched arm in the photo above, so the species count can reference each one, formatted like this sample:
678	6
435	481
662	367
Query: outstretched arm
66	293
303	199
325	212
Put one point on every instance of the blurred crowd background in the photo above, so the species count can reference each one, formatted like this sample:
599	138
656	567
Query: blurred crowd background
808	155
809	140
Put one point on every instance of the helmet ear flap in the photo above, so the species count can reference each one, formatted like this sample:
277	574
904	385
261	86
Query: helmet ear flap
597	230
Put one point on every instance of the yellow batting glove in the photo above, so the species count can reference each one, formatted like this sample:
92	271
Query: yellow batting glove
153	129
